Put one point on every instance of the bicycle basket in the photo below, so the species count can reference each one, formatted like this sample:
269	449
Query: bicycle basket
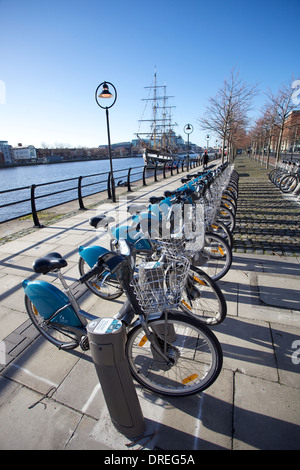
183	246
159	285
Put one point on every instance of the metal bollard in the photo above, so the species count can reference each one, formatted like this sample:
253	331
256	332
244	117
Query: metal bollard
107	343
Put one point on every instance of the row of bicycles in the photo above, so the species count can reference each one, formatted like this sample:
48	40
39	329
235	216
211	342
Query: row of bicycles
166	261
286	176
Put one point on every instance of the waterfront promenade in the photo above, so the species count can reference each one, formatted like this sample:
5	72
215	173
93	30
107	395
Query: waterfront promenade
51	399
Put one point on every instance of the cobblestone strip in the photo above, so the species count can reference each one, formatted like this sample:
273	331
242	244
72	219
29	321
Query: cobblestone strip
16	342
267	221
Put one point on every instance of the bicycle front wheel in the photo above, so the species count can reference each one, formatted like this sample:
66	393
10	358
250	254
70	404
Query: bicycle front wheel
194	352
288	184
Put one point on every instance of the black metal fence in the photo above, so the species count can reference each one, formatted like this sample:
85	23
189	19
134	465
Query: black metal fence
29	200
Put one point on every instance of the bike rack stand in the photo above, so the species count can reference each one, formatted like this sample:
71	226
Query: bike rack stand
107	344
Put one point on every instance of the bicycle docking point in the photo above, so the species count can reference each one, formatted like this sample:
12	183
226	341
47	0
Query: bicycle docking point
107	344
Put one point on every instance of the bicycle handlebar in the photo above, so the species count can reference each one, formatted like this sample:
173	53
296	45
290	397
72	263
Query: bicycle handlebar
96	269
109	261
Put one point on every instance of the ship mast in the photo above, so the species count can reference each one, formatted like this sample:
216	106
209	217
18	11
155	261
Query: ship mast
158	125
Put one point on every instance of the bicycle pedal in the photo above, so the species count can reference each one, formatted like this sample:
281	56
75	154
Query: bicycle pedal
84	343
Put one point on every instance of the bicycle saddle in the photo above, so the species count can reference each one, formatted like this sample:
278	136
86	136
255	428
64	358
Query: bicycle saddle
136	208
49	263
170	193
155	200
101	219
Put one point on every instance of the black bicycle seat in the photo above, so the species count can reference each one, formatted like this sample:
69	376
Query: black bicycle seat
101	219
170	193
136	208
48	263
155	200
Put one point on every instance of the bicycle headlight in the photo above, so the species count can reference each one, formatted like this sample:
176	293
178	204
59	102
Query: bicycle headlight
124	247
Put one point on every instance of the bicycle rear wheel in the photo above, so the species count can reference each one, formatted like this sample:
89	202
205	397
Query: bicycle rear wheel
103	285
226	216
194	352
61	338
219	256
202	298
220	229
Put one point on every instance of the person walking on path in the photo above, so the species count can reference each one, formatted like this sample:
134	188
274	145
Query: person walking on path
205	160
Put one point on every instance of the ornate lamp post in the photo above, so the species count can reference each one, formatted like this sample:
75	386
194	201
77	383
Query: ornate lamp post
188	129
105	94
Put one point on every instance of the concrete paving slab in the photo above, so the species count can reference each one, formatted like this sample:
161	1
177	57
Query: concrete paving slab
286	340
247	347
81	390
37	368
45	426
279	291
215	425
266	415
10	319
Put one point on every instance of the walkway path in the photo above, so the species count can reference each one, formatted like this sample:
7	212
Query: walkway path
267	220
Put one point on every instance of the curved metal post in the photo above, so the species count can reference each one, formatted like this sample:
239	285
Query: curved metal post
81	205
33	207
155	177
144	176
128	181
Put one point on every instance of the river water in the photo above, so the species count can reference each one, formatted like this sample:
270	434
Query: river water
25	176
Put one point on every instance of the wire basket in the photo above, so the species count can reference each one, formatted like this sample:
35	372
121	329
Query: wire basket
159	284
183	246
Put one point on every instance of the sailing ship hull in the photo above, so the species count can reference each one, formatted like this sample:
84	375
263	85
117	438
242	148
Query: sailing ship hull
154	158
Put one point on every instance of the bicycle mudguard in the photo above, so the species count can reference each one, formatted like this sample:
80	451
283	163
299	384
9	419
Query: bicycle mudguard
124	232
47	299
90	254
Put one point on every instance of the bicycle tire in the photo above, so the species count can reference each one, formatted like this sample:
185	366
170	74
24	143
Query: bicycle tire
219	255
195	354
227	217
229	204
62	339
288	184
202	298
273	173
102	285
222	230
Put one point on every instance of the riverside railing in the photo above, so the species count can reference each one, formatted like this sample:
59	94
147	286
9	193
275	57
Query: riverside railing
29	200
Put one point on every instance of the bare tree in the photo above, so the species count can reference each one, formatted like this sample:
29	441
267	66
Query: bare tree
282	104
262	133
226	113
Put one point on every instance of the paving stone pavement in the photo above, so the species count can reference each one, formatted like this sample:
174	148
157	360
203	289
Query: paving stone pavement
267	221
52	399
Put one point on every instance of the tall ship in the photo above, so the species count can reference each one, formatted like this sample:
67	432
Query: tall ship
157	136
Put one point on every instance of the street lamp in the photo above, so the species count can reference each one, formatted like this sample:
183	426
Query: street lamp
207	140
105	94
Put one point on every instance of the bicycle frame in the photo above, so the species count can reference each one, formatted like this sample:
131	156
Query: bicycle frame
63	312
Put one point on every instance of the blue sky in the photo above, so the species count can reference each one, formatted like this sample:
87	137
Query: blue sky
53	55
